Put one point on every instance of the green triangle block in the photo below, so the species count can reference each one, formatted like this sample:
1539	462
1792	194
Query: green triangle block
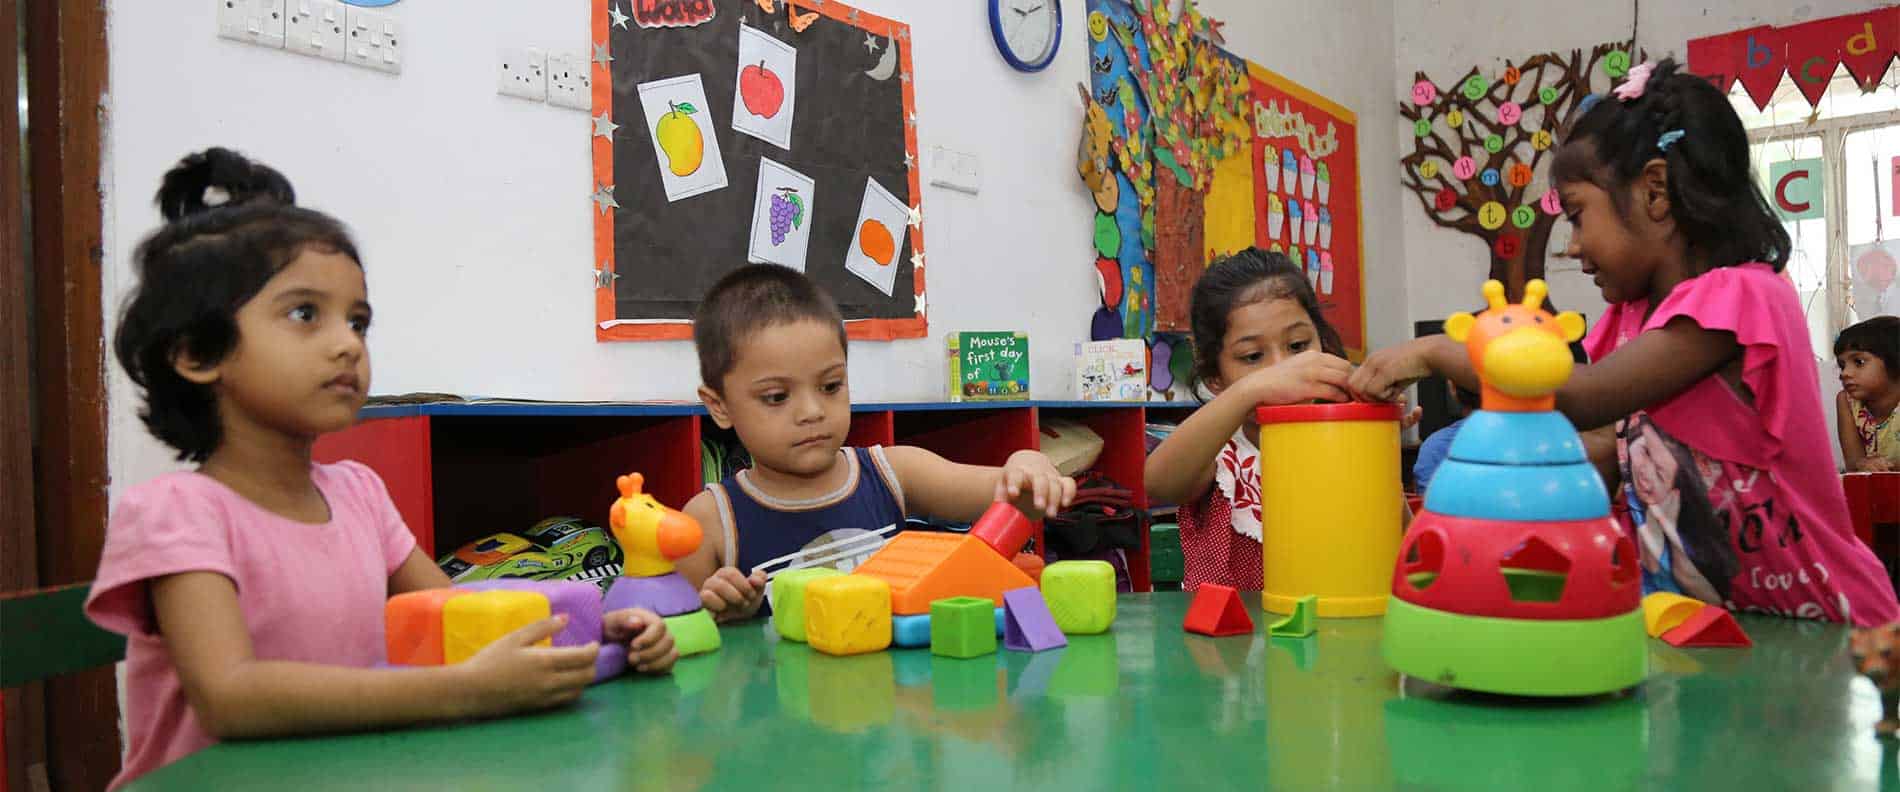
1300	623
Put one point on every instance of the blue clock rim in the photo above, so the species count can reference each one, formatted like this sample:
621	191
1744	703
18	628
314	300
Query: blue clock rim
1002	45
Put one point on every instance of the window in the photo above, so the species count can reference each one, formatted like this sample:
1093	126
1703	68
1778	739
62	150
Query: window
1848	238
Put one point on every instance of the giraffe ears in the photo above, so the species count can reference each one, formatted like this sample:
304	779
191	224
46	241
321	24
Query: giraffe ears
630	484
1572	324
1458	326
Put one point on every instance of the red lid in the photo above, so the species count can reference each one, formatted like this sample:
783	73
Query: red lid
1348	411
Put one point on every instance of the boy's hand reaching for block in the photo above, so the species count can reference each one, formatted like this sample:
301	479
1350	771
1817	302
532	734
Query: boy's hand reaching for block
649	646
1032	483
731	596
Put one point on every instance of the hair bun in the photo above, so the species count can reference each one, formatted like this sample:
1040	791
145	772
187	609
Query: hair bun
219	177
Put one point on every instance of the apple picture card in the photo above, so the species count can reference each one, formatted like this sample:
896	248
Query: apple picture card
680	122
768	77
878	241
781	216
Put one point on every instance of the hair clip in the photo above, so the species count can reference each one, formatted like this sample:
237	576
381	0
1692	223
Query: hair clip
1667	139
1638	81
215	196
1588	102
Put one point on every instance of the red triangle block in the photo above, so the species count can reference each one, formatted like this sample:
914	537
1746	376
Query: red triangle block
1709	627
1217	611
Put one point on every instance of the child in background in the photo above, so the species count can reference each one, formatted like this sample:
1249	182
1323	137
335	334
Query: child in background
251	591
1869	401
772	362
1259	339
1702	360
1433	451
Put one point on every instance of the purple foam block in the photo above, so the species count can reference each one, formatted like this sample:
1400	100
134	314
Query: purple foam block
610	662
1027	625
667	595
579	600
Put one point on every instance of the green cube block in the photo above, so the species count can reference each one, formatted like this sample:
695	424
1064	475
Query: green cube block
963	627
1081	595
693	633
788	599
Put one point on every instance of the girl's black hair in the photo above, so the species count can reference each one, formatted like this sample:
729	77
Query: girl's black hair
1879	336
231	226
1713	197
1250	276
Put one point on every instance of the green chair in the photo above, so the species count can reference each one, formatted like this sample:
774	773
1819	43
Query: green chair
44	633
1166	565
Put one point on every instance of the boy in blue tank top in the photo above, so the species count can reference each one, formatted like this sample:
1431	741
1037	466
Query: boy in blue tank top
772	361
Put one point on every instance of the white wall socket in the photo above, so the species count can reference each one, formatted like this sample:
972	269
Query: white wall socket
315	28
373	40
570	81
955	170
522	72
259	22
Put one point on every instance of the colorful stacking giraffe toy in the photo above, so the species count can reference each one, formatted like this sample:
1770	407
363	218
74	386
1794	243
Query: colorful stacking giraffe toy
652	537
1514	579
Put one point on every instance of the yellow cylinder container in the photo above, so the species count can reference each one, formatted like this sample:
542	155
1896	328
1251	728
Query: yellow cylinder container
1330	500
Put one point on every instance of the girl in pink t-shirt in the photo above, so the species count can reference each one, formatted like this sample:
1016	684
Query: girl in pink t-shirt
251	591
1703	363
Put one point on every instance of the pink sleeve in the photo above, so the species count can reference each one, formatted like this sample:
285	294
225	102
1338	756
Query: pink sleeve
1761	308
1602	338
163	527
391	532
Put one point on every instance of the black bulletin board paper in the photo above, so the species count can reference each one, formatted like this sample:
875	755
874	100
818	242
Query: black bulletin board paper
847	126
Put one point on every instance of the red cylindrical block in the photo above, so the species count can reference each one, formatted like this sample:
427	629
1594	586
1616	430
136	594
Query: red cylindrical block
1003	528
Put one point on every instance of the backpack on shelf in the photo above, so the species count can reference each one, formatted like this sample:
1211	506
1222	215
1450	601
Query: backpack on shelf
1100	524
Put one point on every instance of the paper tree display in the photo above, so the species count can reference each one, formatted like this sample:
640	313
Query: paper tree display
1479	143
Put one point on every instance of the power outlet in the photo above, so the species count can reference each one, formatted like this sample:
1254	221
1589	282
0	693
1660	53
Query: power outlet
522	72
315	28
570	81
374	40
259	22
955	170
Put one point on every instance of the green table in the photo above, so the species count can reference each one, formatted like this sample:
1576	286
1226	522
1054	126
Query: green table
1145	706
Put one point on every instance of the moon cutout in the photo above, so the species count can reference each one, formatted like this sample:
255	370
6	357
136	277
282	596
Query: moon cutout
887	65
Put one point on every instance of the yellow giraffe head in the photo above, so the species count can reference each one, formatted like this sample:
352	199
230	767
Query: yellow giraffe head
1521	351
651	535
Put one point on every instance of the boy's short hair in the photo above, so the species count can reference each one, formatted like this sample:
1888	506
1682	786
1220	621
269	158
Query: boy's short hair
1879	336
749	299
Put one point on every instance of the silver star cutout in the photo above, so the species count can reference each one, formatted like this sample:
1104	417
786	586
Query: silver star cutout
870	43
854	16
620	20
602	56
909	161
904	34
917	260
604	125
920	305
604	197
912	119
917	221
904	76
604	279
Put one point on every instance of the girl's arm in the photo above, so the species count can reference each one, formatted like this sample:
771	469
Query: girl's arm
937	487
1183	466
238	696
416	573
1853	454
1650	368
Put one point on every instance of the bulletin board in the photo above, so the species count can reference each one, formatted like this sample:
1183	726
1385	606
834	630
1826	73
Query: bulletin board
728	131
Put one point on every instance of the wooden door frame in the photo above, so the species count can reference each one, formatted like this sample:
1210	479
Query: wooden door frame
66	83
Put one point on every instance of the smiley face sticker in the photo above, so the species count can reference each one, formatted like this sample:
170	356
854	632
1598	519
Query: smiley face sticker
1422	127
1540	140
1428	169
1509	113
1455	118
1464	168
1552	203
1492	215
1616	64
1475	86
1493	143
1424	93
1518	174
1098	26
1523	216
1445	199
1489	177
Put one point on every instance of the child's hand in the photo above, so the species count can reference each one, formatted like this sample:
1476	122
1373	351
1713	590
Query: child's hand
1032	472
512	674
1302	378
732	596
1388	372
649	646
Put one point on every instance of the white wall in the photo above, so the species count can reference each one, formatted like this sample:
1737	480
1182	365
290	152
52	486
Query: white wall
1444	38
471	208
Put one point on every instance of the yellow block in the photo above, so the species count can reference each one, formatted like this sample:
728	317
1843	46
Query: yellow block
477	620
1228	222
848	614
1329	493
1664	611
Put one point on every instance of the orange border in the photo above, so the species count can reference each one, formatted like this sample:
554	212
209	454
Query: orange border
863	329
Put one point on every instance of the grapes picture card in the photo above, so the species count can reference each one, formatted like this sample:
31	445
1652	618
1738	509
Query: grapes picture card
781	216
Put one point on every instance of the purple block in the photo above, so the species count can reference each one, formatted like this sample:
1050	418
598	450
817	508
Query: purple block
667	595
610	662
1027	625
579	600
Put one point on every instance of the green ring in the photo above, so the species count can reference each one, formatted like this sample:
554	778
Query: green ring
1524	657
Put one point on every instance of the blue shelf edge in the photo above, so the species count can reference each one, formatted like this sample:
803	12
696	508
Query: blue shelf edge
676	409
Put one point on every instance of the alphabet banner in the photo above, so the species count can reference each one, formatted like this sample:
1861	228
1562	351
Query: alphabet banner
1808	52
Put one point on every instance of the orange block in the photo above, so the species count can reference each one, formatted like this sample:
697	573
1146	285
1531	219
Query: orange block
412	626
1031	565
925	566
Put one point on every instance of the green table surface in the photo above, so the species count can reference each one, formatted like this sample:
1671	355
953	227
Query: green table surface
1145	706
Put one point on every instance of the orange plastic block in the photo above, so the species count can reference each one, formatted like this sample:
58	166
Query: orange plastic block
925	566
478	619
1709	627
412	626
848	614
1031	565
